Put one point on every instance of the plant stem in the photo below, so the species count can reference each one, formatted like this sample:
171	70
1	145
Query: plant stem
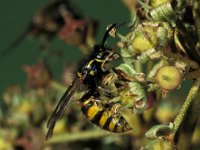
69	137
184	135
192	94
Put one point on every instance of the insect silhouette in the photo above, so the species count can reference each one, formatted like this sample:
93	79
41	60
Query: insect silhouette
90	73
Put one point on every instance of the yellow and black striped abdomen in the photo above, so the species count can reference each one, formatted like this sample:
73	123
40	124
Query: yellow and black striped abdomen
103	117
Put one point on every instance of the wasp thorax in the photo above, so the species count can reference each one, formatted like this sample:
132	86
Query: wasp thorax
168	77
109	78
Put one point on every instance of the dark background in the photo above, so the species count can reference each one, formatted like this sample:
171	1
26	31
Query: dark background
15	17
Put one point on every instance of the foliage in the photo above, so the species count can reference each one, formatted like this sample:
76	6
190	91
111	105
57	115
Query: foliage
159	52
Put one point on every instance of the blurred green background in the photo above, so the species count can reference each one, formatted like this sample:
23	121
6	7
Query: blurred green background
15	17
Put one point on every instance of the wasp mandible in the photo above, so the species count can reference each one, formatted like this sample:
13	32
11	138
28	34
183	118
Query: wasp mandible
90	73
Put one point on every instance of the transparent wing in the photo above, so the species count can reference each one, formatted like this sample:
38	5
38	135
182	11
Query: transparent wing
60	108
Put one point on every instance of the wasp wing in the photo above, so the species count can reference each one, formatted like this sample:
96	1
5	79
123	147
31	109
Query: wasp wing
60	108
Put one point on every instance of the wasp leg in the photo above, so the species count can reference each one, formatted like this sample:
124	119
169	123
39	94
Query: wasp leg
115	109
127	106
115	100
119	107
100	102
107	59
106	92
104	89
112	56
122	75
122	87
139	77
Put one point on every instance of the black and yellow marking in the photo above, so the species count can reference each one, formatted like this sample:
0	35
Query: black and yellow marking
103	117
119	128
112	125
106	124
96	119
90	109
99	60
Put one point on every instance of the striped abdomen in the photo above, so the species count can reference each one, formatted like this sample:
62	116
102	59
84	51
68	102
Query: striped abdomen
103	117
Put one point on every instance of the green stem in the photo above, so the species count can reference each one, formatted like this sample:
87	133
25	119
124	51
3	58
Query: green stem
134	18
188	101
138	66
68	137
184	135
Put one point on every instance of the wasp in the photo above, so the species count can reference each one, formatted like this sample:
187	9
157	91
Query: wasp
58	17
120	91
90	73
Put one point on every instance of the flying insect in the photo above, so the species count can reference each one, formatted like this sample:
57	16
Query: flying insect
90	73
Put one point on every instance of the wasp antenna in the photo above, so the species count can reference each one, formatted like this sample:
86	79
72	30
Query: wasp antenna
121	24
107	33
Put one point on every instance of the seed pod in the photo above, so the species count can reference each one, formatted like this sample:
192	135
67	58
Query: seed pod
162	38
163	12
166	111
159	131
146	42
140	99
168	77
145	38
156	3
159	145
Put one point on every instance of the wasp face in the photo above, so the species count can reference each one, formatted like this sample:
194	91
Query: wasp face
101	52
102	55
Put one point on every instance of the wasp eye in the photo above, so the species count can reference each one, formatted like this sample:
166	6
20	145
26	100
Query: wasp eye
98	48
99	56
